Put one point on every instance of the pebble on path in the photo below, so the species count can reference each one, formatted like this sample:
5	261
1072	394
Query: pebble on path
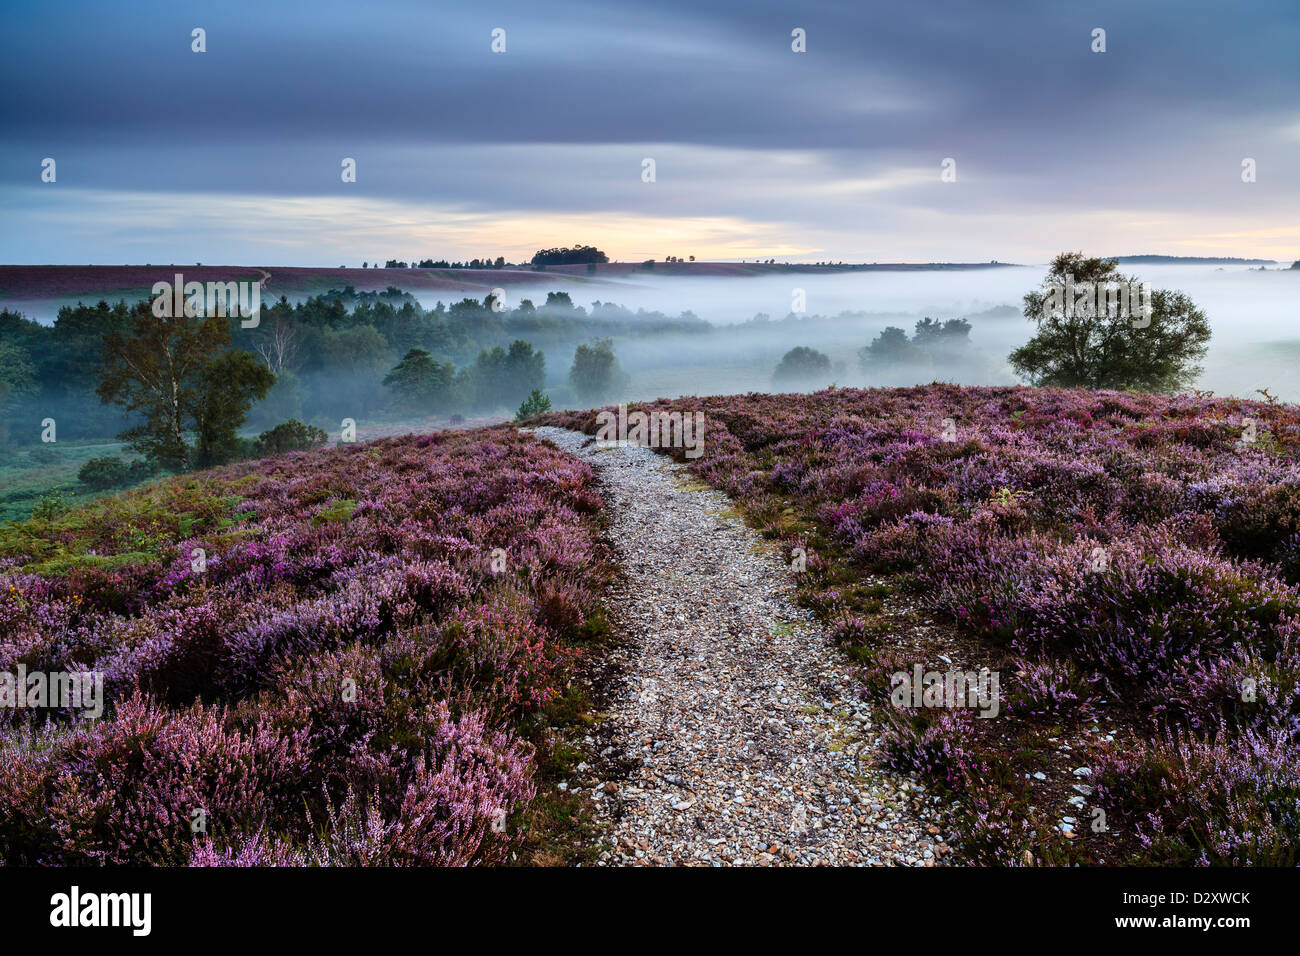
740	719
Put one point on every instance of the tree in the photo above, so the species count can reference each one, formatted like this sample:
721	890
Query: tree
595	373
17	370
422	383
578	255
1089	346
4	417
278	342
802	365
504	377
157	368
890	347
942	339
536	403
230	385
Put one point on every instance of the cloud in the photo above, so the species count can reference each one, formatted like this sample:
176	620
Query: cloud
834	151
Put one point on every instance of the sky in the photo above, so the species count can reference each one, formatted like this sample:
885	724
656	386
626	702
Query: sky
234	155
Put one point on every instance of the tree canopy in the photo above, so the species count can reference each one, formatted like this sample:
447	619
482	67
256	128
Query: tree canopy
800	365
177	374
595	373
1078	343
578	255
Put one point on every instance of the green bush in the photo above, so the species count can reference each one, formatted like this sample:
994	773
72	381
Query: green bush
104	473
51	505
535	404
288	436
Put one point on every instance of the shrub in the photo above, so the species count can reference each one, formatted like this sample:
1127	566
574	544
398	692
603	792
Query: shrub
104	473
536	403
50	506
1231	799
341	680
289	436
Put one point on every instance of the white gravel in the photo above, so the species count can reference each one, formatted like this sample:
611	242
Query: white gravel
740	722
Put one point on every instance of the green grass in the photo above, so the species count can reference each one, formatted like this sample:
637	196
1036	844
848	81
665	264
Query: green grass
108	531
29	473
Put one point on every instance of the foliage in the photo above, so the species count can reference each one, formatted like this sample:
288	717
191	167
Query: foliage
330	354
422	383
504	377
933	341
802	365
1079	347
346	680
595	374
566	256
17	373
178	374
101	474
289	436
230	384
51	505
537	403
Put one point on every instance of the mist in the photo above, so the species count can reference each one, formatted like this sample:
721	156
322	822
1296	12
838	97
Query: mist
1254	315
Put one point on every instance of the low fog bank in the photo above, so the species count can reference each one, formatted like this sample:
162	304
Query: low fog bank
743	357
1254	315
394	355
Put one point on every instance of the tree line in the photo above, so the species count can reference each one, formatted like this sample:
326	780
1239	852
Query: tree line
181	391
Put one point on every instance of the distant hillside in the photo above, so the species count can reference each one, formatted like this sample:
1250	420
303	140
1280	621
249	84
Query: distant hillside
71	282
1195	260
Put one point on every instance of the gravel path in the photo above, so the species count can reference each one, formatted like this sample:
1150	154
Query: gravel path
738	719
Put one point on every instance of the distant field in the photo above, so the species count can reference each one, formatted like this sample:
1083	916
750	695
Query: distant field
1242	369
27	475
40	290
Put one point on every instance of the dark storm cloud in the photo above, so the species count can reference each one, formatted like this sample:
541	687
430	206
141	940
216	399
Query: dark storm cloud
911	75
742	127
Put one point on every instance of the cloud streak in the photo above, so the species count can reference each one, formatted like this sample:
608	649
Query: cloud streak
834	152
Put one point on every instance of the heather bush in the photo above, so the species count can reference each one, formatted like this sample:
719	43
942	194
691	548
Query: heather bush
127	789
1054	691
934	744
1225	799
319	651
1135	556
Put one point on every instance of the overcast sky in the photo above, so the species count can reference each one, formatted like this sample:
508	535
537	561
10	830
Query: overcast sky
233	155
